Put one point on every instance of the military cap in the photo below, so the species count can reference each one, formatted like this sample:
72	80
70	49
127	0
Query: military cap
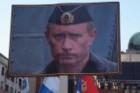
69	14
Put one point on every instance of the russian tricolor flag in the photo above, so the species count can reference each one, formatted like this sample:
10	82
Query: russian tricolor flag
50	85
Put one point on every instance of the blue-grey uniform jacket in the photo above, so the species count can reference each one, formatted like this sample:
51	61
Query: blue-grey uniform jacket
95	64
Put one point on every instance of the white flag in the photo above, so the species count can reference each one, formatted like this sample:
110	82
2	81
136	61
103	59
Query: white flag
25	85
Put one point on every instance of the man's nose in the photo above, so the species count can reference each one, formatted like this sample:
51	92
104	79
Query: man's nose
67	44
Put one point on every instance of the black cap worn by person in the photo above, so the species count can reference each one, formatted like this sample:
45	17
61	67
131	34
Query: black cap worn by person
69	14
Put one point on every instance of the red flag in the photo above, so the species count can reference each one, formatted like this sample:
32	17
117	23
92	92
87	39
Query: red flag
89	85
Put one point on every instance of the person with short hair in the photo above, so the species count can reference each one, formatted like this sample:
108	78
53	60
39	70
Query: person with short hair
70	33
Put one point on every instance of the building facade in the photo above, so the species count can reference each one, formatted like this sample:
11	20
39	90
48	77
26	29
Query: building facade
128	81
10	84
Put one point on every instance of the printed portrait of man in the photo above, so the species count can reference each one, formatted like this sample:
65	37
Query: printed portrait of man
70	33
65	39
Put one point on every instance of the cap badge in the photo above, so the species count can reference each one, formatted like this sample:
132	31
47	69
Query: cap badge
66	18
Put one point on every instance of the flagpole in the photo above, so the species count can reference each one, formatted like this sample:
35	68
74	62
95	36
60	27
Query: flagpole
63	84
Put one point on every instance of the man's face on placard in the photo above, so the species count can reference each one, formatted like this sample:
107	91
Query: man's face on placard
70	43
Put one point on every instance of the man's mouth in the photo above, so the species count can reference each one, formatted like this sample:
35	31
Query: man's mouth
66	57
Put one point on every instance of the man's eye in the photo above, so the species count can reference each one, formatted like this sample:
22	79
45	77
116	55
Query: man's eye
59	36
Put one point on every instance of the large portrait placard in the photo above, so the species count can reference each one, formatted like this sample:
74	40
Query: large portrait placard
65	39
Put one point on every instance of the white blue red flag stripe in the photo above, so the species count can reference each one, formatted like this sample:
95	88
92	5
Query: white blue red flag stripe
50	85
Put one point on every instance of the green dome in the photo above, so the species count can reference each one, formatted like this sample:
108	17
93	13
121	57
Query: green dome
134	42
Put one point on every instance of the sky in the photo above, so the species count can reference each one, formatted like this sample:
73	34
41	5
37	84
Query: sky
129	18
